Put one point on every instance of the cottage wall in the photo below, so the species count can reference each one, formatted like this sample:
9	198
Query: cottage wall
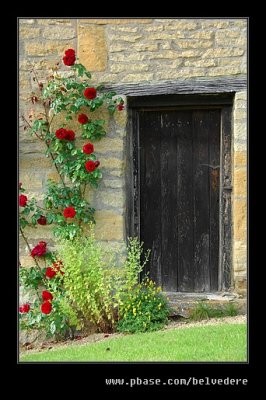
133	51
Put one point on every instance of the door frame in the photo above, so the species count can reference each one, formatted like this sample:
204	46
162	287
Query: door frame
223	102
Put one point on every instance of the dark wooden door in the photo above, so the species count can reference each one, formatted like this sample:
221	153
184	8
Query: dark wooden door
179	170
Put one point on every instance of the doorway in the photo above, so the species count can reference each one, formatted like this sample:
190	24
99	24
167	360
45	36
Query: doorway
181	205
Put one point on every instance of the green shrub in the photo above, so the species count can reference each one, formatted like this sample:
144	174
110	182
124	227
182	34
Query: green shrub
133	265
102	293
144	308
231	309
88	281
205	311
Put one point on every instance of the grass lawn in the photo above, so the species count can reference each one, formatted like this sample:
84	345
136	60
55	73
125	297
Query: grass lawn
223	342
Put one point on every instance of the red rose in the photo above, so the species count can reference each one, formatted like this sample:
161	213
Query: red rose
88	148
57	267
90	166
70	135
69	212
46	307
96	163
22	200
69	57
42	220
120	107
61	133
70	52
50	272
90	93
25	308
83	119
47	295
39	250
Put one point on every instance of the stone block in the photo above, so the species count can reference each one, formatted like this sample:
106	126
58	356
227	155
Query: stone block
178	24
146	46
54	21
109	226
112	163
240	114
124	28
59	32
240	283
201	63
223	52
214	23
39	48
39	233
117	68
200	35
195	44
113	21
223	71
125	38
108	199
28	32
26	21
241	96
153	28
224	62
34	163
240	131
240	255
31	180
26	260
240	158
109	145
240	181
137	77
240	219
92	50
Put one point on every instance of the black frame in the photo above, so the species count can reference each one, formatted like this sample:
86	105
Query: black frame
222	101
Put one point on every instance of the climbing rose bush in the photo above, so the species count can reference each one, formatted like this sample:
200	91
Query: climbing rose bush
64	207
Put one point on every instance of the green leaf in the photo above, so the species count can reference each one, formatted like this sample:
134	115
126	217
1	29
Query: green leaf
70	145
52	327
110	95
73	108
60	218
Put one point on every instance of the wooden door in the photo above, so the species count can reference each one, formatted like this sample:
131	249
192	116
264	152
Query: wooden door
179	192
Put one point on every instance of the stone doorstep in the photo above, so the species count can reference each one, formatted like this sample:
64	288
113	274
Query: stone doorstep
219	296
183	303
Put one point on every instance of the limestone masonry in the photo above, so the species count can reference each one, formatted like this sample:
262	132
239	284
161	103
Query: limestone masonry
134	51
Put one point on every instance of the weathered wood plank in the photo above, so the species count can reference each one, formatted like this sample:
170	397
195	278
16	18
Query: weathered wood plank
185	201
214	185
150	190
201	201
226	229
168	169
181	86
131	154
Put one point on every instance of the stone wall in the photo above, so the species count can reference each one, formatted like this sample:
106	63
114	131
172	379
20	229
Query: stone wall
125	51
